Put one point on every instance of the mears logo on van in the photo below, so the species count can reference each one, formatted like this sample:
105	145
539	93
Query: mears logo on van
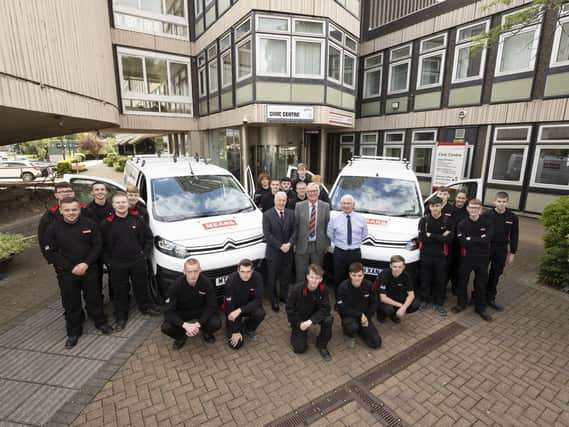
219	224
373	221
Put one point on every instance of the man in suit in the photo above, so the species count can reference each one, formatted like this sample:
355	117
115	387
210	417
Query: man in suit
311	219
280	233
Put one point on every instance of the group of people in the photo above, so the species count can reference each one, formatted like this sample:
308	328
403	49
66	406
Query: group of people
454	241
80	241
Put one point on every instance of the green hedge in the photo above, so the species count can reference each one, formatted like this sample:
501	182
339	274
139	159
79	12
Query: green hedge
110	158
63	167
119	163
554	265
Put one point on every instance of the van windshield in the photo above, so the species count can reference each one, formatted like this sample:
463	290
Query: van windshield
380	196
184	197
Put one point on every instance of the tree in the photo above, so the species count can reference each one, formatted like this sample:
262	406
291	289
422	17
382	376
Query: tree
91	144
529	15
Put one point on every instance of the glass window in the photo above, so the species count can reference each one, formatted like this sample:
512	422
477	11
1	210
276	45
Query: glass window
225	42
551	166
465	34
222	6
243	29
399	77
374	60
431	68
174	7
201	59
304	26
422	160
369	138
512	134
372	83
336	34
308	58
517	51
244	68
351	43
507	164
368	150
347	139
202	82
468	65
433	43
179	79
394	137
554	133
346	153
132	74
156	76
212	52
213	78
226	70
272	56
424	136
560	51
349	67
273	24
163	17
393	151
334	63
400	52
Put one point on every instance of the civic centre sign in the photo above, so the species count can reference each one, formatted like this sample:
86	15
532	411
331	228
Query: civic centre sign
450	159
290	113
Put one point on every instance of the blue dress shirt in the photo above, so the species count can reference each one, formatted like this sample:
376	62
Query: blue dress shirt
338	230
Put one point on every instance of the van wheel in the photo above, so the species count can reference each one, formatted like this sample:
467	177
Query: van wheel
27	177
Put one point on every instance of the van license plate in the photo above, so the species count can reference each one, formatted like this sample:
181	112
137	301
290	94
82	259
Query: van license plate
372	271
221	280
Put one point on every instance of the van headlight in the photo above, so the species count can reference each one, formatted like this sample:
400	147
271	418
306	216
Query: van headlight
170	248
411	245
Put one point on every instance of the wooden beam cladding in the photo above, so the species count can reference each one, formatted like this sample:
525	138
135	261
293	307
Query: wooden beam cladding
383	12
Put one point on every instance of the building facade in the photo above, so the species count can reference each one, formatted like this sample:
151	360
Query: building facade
266	84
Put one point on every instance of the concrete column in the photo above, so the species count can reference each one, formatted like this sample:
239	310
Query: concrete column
323	151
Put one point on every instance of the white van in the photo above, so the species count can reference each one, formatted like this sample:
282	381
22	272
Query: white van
386	191
195	210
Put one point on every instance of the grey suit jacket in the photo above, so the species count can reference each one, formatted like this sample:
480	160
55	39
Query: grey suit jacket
301	218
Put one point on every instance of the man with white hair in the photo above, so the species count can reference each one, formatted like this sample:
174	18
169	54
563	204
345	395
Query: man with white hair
346	231
280	234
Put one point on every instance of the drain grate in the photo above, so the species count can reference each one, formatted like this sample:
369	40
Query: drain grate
358	389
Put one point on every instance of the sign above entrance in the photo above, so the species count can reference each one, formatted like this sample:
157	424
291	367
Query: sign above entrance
290	113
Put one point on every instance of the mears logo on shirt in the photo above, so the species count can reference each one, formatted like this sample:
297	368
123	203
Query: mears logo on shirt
134	227
482	229
86	231
202	292
366	295
382	287
228	299
251	289
509	222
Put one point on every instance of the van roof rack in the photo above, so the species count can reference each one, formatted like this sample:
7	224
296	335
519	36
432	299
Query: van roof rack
169	158
385	159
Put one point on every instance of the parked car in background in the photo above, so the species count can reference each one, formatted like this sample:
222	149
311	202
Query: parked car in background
25	170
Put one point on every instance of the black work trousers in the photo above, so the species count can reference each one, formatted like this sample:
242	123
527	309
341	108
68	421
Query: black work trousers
246	322
478	265
279	268
212	325
386	310
122	276
454	265
342	260
70	287
498	256
299	339
433	278
352	326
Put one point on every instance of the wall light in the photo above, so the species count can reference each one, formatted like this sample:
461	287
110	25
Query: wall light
395	105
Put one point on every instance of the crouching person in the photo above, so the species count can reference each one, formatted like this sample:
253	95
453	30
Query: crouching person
243	304
192	308
357	303
308	304
396	296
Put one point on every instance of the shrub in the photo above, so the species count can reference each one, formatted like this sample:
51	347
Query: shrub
119	163
12	244
110	158
554	265
63	167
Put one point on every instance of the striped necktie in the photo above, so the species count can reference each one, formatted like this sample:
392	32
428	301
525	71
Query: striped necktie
312	221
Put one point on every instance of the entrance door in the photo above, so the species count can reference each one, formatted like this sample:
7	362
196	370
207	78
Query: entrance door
273	159
311	155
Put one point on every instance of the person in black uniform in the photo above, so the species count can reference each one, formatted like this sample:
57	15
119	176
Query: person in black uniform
268	199
447	209
73	244
396	296
286	186
357	303
504	244
435	235
62	190
264	181
134	204
475	234
308	304
280	233
191	297
127	245
302	175
243	304
299	195
460	203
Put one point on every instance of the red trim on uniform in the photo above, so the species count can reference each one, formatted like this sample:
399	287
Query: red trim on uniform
305	291
82	205
376	283
111	216
54	208
224	305
420	244
462	251
133	212
321	286
445	249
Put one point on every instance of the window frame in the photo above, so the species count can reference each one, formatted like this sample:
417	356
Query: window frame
237	46
394	64
540	139
354	78
301	33
534	48
211	89
369	144
505	146
538	149
369	57
355	49
223	55
433	49
222	39
258	55
202	72
258	28
562	20
442	71
511	141
322	58
370	70
344	144
332	28
409	46
241	24
423	144
328	62
146	97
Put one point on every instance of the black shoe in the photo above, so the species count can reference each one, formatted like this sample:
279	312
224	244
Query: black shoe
395	319
151	311
381	319
251	335
275	306
325	354
493	304
208	338
106	329
458	308
485	316
178	344
71	341
472	300
120	325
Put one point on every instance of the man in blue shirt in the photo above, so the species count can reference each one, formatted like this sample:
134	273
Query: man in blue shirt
346	231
